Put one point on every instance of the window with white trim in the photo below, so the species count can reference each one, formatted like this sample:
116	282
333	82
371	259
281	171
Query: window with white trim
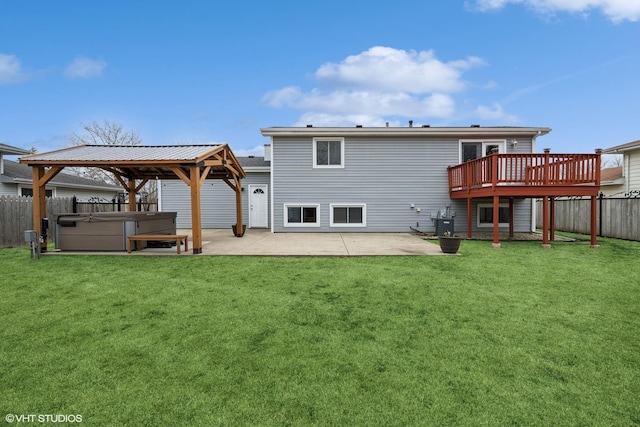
348	215
302	215
485	215
328	152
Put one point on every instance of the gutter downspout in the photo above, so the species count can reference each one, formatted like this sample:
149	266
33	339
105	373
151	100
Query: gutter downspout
533	204
272	192
625	171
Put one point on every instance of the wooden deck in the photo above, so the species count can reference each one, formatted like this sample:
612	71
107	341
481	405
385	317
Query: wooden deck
526	175
512	176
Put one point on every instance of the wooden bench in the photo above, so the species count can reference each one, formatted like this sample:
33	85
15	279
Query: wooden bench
159	238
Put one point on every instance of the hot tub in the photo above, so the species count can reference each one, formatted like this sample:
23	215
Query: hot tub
108	231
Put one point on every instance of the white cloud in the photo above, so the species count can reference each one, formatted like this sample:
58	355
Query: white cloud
615	10
366	102
385	68
377	83
10	70
494	113
84	68
282	97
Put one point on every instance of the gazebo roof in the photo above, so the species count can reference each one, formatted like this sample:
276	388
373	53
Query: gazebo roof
144	161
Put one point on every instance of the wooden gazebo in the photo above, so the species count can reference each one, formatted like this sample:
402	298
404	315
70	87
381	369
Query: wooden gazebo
134	166
513	176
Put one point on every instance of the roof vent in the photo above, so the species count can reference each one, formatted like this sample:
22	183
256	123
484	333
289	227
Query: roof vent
410	123
309	126
358	126
475	126
426	126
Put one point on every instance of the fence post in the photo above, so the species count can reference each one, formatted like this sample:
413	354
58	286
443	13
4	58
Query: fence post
600	198
74	204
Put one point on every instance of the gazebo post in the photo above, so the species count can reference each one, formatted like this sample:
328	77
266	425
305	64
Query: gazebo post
39	202
196	215
131	189
238	189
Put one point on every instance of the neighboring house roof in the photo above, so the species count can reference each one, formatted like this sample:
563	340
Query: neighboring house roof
425	130
611	176
15	173
8	149
622	148
254	163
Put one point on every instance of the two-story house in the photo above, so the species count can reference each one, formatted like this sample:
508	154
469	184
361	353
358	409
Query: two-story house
630	179
394	179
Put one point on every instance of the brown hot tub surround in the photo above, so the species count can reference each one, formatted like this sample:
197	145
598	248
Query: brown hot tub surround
108	231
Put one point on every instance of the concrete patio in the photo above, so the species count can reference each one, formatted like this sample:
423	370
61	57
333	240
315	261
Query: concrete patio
261	242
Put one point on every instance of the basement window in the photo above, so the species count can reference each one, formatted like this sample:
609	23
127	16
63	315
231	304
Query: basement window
485	215
348	215
307	215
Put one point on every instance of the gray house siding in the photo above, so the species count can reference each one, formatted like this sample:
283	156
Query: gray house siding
8	189
387	175
218	201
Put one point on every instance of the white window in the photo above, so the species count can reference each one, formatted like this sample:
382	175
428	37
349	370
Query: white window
485	215
302	215
328	152
348	215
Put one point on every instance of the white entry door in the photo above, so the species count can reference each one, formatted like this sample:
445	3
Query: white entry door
258	206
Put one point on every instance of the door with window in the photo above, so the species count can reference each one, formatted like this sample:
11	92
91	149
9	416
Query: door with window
472	150
258	206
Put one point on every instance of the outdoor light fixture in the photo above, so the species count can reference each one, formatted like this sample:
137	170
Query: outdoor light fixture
514	143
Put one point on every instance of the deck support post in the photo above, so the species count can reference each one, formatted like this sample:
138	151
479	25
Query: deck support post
552	219
545	222
511	218
469	217
496	222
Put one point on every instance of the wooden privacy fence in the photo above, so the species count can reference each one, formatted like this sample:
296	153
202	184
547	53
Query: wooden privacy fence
616	217
16	215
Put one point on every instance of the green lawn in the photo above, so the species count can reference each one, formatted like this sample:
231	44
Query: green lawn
515	336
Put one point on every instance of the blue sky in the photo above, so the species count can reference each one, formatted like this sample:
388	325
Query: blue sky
204	71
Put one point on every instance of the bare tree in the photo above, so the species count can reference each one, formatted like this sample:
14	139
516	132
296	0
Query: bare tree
108	133
612	161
